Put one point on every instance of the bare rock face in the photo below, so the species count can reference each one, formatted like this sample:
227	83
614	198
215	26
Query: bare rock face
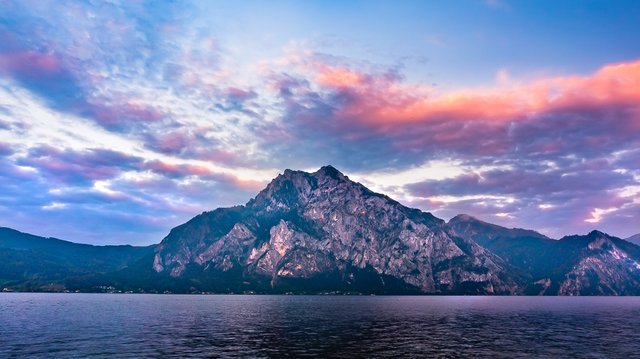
593	264
321	232
605	267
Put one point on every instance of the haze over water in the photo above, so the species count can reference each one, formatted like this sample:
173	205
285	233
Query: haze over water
104	325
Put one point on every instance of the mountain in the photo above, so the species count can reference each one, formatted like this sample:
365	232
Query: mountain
33	263
601	265
321	232
594	264
635	239
529	250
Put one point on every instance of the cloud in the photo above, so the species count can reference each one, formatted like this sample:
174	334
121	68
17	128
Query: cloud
173	142
173	170
43	73
545	196
69	167
108	109
76	60
5	149
382	99
531	178
541	117
121	116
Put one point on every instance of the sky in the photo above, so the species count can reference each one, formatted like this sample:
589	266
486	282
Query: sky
120	120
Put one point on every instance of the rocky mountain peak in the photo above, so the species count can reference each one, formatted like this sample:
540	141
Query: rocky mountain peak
322	230
331	172
596	240
464	218
285	192
300	177
602	265
597	234
293	190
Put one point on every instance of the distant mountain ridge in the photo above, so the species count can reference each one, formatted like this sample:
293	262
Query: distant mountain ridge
634	239
323	233
33	263
594	264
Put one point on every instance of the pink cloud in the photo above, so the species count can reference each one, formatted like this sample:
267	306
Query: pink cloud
239	94
376	108
380	99
235	182
171	142
30	63
121	114
215	155
170	169
339	77
182	170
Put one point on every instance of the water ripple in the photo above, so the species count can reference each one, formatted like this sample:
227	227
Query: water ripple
174	326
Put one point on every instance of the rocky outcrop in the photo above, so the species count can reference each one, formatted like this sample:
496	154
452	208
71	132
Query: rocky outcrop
604	265
323	232
594	264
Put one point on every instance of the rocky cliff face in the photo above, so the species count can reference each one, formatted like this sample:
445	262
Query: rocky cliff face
603	265
314	232
594	264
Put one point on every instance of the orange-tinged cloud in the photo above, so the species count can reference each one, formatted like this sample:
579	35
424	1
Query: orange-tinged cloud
617	84
381	99
339	77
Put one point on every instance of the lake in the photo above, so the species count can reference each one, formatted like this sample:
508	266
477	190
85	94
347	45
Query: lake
212	326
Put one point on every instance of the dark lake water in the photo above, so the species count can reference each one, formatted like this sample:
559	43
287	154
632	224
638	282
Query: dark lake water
132	326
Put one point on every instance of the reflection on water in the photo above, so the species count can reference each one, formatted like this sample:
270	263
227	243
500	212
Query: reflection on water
81	325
